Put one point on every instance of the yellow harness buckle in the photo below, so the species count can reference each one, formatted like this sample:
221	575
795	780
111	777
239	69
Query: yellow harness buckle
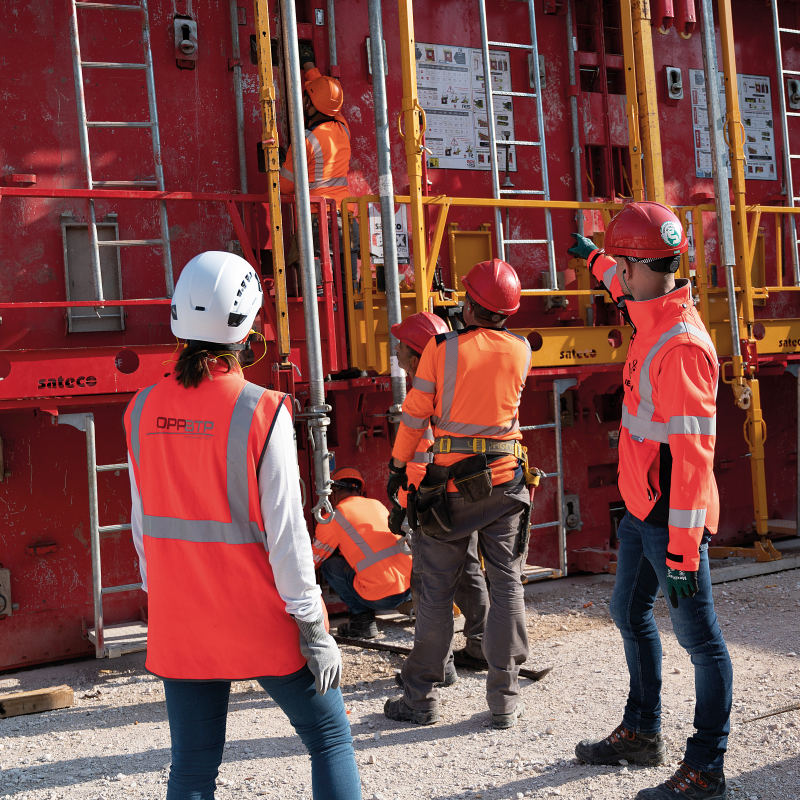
479	445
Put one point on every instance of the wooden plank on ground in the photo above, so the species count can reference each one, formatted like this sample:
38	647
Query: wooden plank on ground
13	705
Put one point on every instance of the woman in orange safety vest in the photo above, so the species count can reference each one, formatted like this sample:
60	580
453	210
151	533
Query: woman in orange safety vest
666	478
224	552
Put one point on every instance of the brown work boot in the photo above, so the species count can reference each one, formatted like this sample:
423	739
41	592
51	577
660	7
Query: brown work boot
501	722
400	712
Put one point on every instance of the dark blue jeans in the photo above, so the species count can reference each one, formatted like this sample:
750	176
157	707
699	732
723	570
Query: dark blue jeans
641	571
340	575
198	712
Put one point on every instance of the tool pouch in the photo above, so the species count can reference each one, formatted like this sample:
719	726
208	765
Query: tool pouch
473	478
433	514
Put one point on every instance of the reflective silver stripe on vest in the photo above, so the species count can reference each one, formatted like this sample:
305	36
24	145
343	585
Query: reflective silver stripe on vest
284	173
700	426
421	456
369	557
608	275
468	429
316	148
450	373
136	418
421	385
687	518
661	431
414	422
326	182
240	530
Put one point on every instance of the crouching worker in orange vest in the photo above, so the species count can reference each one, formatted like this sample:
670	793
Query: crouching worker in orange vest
472	597
373	569
467	389
225	554
666	478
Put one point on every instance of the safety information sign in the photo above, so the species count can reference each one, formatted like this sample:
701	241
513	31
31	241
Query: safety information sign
450	84
755	106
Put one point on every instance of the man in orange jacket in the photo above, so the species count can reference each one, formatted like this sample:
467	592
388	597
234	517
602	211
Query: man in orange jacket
373	569
467	389
666	460
472	597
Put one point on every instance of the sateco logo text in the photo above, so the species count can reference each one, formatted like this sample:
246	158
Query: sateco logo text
568	354
789	343
194	426
67	383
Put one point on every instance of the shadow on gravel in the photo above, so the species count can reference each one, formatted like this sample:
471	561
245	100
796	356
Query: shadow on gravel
779	780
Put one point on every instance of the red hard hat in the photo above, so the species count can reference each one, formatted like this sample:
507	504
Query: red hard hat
349	474
645	230
494	285
418	329
326	94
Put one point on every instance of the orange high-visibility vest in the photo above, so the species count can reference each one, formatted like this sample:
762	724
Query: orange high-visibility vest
213	609
327	156
360	531
468	384
415	471
670	411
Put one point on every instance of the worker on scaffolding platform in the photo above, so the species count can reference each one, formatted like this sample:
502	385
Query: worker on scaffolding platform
225	554
666	459
472	597
373	569
467	388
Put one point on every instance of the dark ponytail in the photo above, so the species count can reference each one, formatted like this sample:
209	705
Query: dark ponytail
192	365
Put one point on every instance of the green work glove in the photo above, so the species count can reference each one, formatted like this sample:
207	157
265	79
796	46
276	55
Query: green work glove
680	584
583	247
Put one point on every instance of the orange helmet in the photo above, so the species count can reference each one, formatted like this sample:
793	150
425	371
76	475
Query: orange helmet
345	477
495	285
418	329
326	94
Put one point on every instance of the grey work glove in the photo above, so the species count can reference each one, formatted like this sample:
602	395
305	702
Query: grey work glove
583	247
322	654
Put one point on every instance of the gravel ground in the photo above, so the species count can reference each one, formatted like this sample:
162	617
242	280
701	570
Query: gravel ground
114	743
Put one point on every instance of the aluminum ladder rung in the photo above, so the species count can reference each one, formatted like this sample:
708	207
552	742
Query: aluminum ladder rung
526	241
522	191
111	467
125	587
114	528
108	6
131	243
513	94
542	427
509	142
790	155
545	525
793	113
511	44
124	183
111	65
791	71
119	124
788	30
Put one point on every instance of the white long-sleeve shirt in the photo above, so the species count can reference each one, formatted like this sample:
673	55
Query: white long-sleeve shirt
287	540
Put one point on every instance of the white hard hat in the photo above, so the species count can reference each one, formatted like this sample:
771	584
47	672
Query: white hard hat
216	299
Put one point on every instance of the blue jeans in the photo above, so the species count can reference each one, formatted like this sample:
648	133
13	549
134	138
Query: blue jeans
198	712
340	575
641	571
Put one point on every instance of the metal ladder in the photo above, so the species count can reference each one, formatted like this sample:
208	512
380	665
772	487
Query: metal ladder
559	387
127	637
790	196
78	65
499	191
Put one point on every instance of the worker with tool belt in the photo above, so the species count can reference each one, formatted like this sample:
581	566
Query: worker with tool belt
225	554
467	388
373	569
666	460
472	597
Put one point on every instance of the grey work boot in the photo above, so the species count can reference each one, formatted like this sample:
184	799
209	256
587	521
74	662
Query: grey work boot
398	711
502	721
361	626
449	679
647	750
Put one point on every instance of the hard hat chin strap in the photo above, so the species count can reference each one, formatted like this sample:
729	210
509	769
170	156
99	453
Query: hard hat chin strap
215	346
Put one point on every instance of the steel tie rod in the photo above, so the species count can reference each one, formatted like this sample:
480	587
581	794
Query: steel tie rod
111	65
108	6
125	587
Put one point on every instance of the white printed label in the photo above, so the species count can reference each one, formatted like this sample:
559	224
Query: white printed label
385	188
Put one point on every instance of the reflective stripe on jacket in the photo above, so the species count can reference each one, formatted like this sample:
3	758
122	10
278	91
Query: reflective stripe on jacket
468	384
360	531
670	376
415	471
327	157
214	611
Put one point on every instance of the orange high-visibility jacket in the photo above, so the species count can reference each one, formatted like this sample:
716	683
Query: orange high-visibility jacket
327	155
468	384
669	417
417	466
360	531
214	611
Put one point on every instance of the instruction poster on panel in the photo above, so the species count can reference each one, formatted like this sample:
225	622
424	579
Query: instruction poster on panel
450	84
758	130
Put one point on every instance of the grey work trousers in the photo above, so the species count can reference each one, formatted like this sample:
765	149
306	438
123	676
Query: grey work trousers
441	560
472	596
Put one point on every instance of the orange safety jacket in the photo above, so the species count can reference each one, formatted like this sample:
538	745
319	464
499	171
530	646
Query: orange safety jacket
327	156
214	612
360	531
468	384
669	416
417	466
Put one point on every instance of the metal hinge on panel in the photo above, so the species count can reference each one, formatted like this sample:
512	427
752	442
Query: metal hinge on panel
369	58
